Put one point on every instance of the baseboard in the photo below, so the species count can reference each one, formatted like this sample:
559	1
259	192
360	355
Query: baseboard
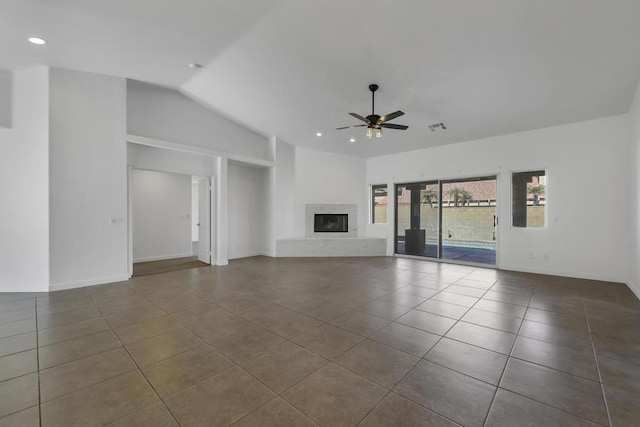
635	288
563	274
163	257
91	282
248	254
24	288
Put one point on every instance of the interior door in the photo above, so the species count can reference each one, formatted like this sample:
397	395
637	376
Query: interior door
204	218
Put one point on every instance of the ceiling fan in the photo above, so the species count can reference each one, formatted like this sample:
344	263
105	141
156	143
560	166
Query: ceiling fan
374	122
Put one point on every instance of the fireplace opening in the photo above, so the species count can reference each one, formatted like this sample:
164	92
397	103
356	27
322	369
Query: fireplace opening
331	223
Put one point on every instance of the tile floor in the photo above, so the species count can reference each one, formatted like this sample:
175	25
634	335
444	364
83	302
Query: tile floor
330	342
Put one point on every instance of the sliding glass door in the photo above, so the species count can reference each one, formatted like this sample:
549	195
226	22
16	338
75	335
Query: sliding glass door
469	220
452	220
417	219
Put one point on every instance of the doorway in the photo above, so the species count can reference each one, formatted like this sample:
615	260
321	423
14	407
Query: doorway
170	222
453	220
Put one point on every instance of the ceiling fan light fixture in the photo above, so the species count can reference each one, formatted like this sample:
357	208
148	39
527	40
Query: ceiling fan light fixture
369	133
373	122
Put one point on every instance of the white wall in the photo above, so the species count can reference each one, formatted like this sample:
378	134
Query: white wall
282	190
634	195
285	190
328	178
587	192
161	206
168	115
151	158
88	179
6	98
24	188
248	211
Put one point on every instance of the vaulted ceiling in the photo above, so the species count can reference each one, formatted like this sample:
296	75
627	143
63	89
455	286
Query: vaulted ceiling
292	68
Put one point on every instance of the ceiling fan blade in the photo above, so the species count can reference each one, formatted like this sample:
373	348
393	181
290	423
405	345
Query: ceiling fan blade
394	126
390	116
349	127
359	117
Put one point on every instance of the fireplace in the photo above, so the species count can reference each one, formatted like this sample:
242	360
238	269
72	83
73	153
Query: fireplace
331	223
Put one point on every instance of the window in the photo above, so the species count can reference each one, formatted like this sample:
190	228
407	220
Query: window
379	203
528	199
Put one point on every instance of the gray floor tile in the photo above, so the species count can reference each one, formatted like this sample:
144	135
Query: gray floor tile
576	362
332	375
510	409
155	415
406	338
18	364
276	413
428	322
283	365
18	394
162	346
101	403
81	373
26	418
17	343
456	396
395	410
470	360
573	394
493	320
185	369
488	338
219	400
67	351
377	362
17	328
316	396
328	341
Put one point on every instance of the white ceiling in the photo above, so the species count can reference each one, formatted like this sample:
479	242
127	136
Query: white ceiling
292	68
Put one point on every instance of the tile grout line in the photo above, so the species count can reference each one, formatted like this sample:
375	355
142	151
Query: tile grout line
236	364
495	393
136	363
595	358
535	400
541	286
420	359
139	369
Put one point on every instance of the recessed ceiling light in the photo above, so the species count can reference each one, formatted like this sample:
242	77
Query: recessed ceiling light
195	65
37	40
318	134
352	140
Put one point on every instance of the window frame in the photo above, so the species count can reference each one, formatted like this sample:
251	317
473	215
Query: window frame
533	172
372	202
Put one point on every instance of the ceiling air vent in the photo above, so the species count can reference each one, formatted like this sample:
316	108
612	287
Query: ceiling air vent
434	127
